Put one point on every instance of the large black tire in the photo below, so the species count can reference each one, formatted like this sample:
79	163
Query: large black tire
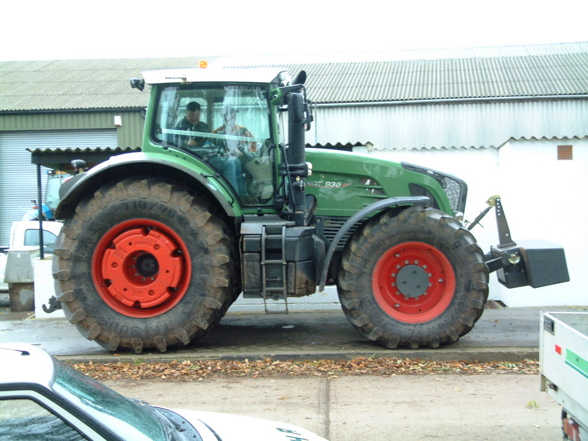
414	278
145	264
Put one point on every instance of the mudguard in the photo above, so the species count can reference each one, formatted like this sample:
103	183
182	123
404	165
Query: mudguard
153	165
357	217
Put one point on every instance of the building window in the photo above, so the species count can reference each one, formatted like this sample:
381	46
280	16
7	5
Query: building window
565	152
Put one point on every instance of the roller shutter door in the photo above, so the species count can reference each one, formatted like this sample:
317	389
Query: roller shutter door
18	176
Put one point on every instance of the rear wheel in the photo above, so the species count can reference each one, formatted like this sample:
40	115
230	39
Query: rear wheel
144	264
413	279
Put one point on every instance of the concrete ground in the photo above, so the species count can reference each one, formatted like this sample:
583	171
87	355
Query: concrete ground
509	334
441	407
435	407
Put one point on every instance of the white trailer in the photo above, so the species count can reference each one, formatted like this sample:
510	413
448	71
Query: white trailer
563	358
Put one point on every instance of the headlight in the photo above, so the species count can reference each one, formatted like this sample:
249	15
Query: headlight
455	189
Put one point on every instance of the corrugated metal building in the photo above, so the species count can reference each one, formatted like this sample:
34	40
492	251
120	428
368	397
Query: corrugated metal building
466	111
453	102
75	104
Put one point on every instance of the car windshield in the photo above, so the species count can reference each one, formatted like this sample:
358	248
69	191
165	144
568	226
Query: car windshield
31	238
127	419
227	127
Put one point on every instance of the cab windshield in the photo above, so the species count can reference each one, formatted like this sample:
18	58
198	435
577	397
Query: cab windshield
226	127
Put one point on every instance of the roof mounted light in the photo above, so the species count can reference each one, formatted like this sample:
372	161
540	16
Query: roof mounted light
284	78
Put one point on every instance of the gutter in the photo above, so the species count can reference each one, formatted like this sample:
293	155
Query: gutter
58	111
453	101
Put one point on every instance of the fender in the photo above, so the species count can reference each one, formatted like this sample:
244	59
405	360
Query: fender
138	163
376	206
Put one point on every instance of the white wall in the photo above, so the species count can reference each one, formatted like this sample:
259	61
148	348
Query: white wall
549	197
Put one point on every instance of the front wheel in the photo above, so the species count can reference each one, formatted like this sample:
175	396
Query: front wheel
414	278
145	264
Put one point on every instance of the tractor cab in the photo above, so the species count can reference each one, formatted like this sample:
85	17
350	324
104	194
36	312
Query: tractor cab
229	126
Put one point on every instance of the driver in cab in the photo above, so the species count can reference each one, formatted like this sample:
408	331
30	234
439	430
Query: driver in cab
191	123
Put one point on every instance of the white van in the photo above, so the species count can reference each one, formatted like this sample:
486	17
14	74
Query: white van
25	235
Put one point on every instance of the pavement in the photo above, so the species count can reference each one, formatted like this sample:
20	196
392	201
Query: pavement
375	408
346	408
501	334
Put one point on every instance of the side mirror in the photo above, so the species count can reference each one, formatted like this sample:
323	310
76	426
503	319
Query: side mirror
136	83
300	78
79	165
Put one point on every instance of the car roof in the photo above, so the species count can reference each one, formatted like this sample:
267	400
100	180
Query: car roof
24	363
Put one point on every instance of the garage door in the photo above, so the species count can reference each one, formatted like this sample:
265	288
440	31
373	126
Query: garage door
18	176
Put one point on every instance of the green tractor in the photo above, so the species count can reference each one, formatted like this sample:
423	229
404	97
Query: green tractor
225	199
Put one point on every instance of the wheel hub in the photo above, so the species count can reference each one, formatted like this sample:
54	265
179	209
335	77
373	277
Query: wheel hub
146	265
141	268
412	281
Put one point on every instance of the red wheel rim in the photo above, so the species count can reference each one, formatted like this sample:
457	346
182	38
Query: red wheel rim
413	282
141	268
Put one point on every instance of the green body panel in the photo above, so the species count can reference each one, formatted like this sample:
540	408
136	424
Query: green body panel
345	182
342	182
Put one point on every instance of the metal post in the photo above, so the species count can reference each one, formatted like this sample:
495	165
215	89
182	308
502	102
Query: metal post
40	207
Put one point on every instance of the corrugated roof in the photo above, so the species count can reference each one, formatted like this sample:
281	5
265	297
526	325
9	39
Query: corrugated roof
475	73
76	150
78	84
448	79
56	158
348	146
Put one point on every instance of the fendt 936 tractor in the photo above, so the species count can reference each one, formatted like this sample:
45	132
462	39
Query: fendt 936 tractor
225	199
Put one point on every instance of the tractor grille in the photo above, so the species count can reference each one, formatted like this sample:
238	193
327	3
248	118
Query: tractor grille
328	227
454	192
